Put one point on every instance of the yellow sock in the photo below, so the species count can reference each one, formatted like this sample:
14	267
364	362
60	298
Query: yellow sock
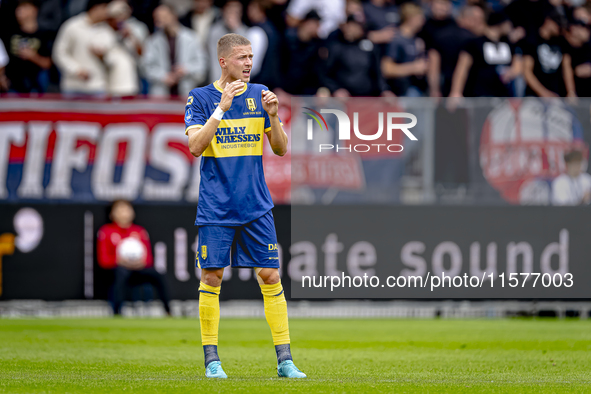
276	312
209	313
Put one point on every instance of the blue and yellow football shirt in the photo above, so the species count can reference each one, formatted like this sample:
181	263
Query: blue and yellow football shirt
233	190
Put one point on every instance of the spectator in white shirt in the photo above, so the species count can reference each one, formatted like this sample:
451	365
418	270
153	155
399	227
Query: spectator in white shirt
574	186
174	62
89	57
131	32
79	48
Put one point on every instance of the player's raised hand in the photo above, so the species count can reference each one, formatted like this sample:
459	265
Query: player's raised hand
229	92
270	102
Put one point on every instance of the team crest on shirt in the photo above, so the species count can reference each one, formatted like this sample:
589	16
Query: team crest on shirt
251	104
204	252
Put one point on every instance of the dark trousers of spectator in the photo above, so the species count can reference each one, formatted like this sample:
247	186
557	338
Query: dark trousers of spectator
31	84
125	278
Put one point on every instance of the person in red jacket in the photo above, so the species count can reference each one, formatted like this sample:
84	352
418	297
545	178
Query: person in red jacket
124	247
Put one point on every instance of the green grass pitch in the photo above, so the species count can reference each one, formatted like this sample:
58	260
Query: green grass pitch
402	356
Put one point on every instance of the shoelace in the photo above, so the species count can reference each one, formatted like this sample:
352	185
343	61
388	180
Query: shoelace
293	366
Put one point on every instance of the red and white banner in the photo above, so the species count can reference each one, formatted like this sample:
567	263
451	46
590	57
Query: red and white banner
89	151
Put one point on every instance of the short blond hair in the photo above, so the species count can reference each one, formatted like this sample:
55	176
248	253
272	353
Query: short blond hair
229	41
408	10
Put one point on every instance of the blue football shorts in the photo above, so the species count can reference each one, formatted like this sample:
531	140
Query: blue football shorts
251	245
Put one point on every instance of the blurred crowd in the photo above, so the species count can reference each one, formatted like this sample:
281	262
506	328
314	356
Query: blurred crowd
437	48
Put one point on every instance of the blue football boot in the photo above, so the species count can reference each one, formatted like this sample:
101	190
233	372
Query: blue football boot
287	369
214	370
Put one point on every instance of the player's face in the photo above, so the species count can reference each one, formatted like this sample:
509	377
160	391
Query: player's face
123	214
239	63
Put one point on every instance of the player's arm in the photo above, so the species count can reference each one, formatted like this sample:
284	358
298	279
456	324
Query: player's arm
200	137
276	135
